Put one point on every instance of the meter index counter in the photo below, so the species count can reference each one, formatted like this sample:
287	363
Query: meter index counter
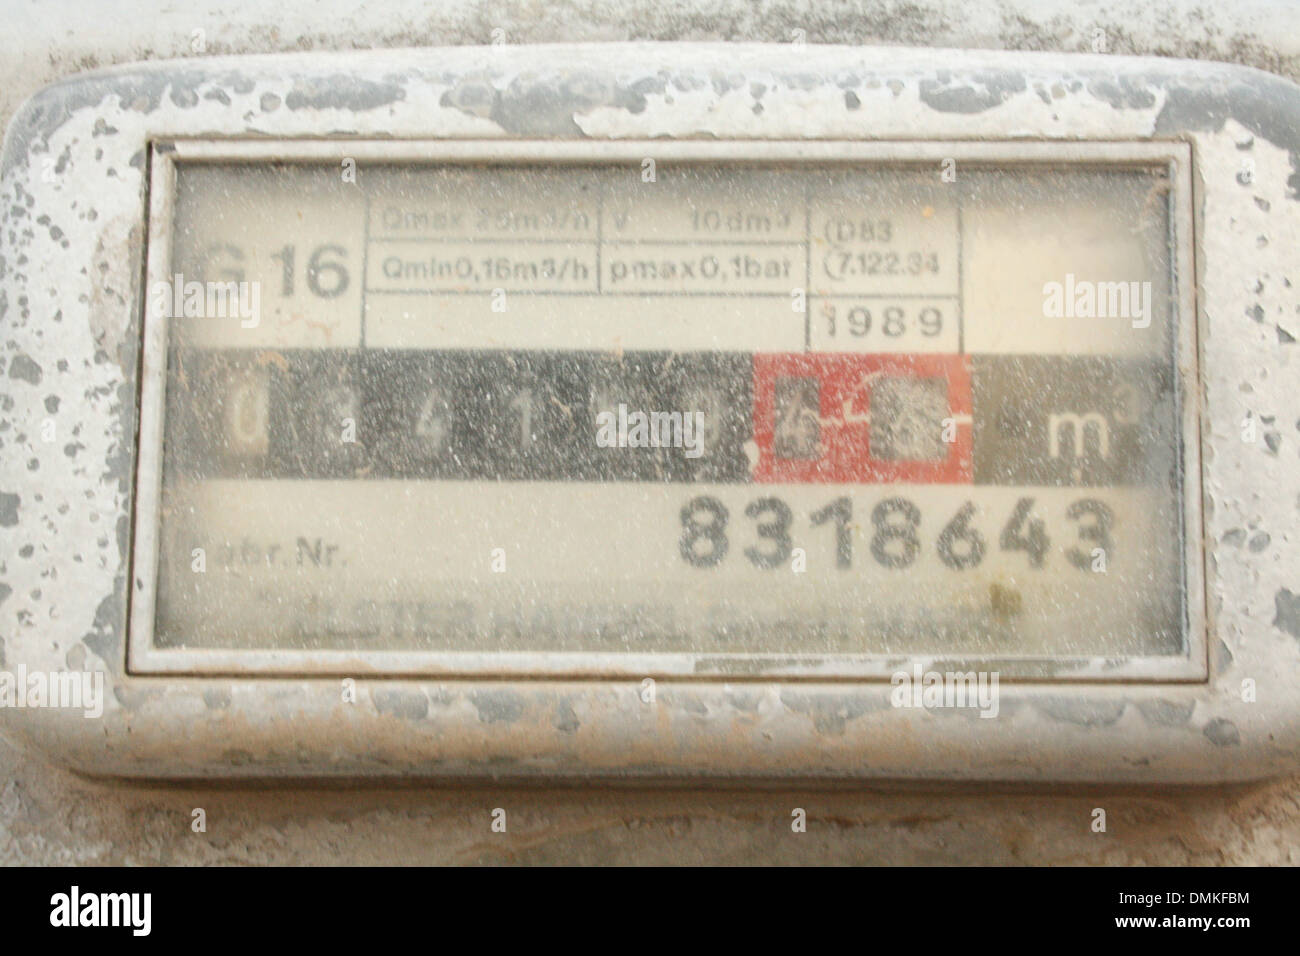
1028	421
898	451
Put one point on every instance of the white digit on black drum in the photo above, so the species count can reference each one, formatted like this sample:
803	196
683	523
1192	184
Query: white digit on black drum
247	414
433	423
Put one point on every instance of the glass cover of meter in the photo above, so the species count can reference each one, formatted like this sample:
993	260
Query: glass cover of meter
792	410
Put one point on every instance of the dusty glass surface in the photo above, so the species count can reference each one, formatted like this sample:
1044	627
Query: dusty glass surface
787	410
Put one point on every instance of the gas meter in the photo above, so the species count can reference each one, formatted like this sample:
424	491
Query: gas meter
654	411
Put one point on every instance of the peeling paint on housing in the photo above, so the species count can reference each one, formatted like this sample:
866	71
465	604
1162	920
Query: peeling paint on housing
1287	612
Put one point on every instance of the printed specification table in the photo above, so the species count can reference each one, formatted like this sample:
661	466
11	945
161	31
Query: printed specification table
770	259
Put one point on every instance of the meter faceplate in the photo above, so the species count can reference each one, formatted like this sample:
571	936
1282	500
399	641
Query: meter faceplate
861	434
78	251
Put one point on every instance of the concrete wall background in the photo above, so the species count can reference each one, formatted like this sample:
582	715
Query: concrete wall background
51	816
